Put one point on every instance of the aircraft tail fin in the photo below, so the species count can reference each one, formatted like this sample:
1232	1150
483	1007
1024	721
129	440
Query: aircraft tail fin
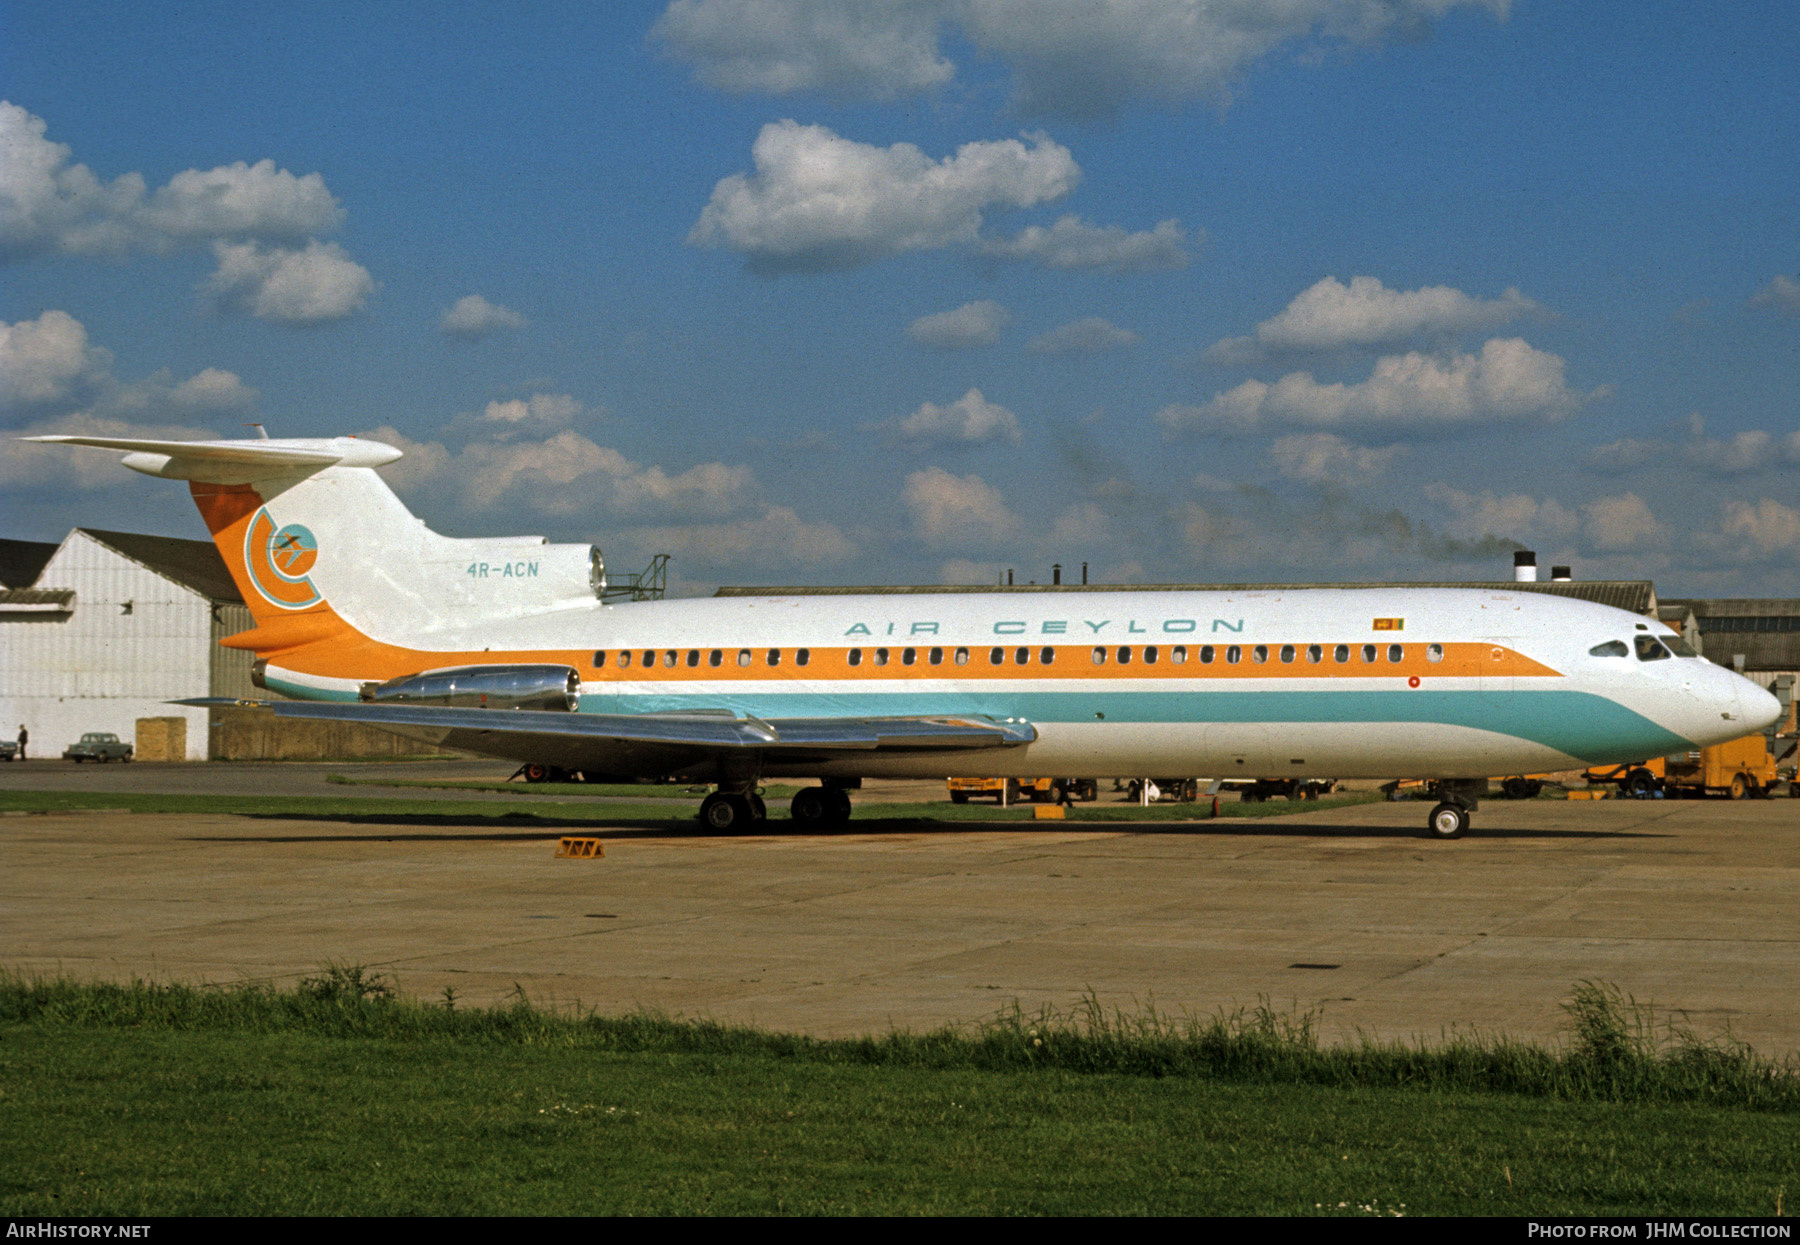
319	545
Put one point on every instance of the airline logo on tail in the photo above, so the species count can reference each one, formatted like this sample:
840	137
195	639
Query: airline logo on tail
278	560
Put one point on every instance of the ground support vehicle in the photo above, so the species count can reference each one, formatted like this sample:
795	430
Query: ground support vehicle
1521	786
98	746
1258	790
1639	780
1013	790
1739	768
9	750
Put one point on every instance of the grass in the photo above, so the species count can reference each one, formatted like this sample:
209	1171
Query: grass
616	811
341	1097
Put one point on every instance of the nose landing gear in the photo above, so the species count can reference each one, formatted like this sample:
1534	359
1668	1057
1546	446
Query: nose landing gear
1458	798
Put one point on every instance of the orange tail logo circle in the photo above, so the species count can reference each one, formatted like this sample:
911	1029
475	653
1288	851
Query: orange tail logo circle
278	560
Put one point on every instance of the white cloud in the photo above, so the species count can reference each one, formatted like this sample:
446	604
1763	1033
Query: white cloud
1621	524
1624	456
47	362
868	49
1078	60
1333	316
1766	529
308	286
1745	452
48	368
777	537
965	328
1320	458
1073	243
473	317
1507	380
956	510
535	418
817	201
1781	293
1091	335
50	205
565	474
970	420
1513	516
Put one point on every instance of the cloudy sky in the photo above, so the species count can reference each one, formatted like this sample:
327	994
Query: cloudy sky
851	291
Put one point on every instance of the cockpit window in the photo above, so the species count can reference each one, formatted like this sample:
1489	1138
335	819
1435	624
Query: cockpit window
1678	646
1612	648
1651	649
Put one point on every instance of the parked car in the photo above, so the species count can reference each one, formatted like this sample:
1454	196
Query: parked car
9	750
98	746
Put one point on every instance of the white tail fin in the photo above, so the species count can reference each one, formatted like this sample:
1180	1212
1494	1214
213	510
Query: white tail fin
322	549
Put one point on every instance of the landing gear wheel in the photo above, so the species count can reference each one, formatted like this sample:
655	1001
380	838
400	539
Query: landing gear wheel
1448	821
722	813
837	805
810	807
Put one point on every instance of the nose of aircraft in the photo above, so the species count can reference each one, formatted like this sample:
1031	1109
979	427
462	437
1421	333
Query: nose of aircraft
1758	706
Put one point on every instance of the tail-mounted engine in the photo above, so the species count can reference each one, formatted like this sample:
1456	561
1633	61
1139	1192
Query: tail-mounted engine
483	687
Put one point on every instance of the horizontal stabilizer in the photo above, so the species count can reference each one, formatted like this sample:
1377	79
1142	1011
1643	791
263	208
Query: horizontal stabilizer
228	462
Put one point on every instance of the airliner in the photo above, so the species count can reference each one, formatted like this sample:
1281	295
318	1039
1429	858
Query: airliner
504	647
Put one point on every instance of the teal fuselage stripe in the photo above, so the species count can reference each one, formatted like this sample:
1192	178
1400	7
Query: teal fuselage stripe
1579	724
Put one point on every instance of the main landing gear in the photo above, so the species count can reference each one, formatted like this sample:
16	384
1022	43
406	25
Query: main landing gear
738	810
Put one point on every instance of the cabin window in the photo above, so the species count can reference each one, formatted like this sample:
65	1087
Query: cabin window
624	658
1315	654
996	657
693	657
1124	655
1233	655
1099	657
1434	652
856	657
600	659
881	656
1396	652
1047	656
1022	657
1207	653
802	656
1341	654
1178	654
1368	653
1649	648
1150	655
935	656
1612	648
745	657
774	657
908	656
962	656
715	658
1260	653
671	657
1287	654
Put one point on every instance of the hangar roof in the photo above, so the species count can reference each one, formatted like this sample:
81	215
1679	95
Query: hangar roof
193	564
1765	630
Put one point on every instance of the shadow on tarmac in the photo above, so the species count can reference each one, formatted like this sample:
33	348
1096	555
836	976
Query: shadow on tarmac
533	828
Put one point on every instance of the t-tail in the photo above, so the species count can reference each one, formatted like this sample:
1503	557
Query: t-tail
324	553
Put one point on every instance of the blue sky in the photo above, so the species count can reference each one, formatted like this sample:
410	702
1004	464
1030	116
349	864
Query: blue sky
817	291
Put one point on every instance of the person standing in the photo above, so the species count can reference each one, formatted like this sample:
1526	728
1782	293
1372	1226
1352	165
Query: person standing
24	738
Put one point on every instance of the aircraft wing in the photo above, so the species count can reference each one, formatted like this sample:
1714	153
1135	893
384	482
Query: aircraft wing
652	743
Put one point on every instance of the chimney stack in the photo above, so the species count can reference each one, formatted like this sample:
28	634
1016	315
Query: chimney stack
1560	575
1525	567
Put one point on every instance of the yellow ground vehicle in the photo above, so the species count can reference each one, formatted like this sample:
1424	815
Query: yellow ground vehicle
1012	790
1737	768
